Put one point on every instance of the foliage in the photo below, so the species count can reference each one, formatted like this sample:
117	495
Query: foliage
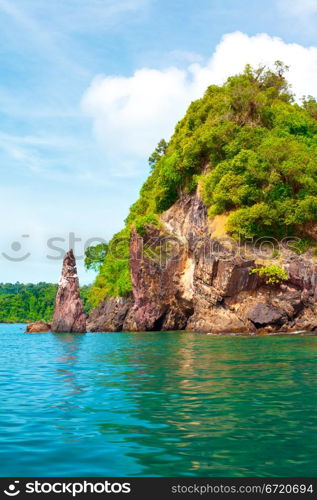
252	151
141	223
159	151
95	256
272	274
310	104
20	303
301	245
113	279
84	294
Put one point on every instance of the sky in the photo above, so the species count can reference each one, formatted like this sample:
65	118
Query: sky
88	88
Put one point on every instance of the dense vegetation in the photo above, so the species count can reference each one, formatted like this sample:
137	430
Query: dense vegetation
251	151
20	303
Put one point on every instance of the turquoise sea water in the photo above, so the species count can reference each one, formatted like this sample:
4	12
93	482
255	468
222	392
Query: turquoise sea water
157	404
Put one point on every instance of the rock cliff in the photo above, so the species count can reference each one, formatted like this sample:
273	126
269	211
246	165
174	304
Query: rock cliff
69	314
187	274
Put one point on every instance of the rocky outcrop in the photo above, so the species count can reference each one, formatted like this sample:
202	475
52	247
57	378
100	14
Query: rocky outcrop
264	314
38	327
189	275
69	313
109	316
156	269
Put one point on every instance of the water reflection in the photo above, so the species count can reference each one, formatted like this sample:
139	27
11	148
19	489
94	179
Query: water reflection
67	359
220	406
163	404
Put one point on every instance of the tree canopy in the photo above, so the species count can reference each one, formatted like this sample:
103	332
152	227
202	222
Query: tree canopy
21	303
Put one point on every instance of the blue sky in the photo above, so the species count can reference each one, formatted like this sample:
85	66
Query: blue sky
88	88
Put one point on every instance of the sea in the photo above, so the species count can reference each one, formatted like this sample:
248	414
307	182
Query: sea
157	404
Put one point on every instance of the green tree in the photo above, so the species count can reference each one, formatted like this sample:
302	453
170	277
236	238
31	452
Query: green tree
159	151
21	303
95	256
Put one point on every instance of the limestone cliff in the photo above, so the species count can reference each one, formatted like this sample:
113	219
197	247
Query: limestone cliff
188	275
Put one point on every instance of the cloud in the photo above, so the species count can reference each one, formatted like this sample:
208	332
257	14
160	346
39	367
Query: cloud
131	114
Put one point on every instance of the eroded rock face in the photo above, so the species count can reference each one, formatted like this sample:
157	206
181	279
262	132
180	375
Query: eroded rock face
264	315
38	327
109	316
185	277
69	314
156	268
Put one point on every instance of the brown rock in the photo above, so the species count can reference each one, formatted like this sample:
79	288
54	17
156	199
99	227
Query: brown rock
307	320
69	314
38	327
263	314
109	316
156	267
217	319
184	277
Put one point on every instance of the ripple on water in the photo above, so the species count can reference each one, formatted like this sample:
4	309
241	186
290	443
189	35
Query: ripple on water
157	404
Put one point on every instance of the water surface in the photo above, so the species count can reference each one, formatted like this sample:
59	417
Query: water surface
157	404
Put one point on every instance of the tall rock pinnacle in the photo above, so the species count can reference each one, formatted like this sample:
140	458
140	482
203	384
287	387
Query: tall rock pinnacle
69	313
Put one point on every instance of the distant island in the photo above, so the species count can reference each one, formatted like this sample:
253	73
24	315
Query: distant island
23	303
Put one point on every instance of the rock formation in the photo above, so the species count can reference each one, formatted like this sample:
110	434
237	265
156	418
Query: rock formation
69	314
203	282
38	327
109	316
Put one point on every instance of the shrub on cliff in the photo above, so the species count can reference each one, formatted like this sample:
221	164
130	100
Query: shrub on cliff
113	279
141	223
273	275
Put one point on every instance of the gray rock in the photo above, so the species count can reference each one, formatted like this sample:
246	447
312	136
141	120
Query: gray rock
264	314
109	316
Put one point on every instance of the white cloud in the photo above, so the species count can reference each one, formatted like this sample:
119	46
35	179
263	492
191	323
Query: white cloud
131	114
